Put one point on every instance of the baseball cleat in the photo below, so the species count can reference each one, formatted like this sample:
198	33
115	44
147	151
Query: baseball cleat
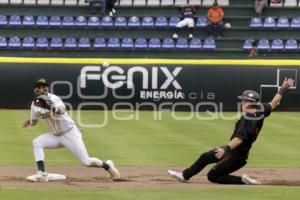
177	175
38	177
191	36
249	181
114	11
113	171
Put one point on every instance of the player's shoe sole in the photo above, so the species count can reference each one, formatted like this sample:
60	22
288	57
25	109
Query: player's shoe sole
177	175
113	171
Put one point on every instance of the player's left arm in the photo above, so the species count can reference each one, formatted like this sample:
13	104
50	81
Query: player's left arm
234	143
58	105
287	84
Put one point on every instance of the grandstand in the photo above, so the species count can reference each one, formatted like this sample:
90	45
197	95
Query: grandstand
142	28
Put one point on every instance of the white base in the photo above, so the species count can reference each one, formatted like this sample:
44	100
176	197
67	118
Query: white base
49	177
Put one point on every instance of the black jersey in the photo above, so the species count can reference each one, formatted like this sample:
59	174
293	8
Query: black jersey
248	127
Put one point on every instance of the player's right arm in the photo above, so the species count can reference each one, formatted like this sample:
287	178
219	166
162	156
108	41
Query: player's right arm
34	116
287	83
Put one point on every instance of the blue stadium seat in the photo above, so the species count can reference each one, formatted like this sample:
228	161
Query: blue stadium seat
195	43
127	43
81	21
68	21
3	42
209	44
42	21
134	22
154	43
248	44
15	20
256	22
84	42
70	43
161	22
295	22
28	20
3	20
14	42
283	22
277	45
107	21
140	43
269	22
94	21
99	42
147	22
120	22
42	43
291	45
113	43
201	22
263	44
56	42
182	43
55	21
28	42
168	43
173	21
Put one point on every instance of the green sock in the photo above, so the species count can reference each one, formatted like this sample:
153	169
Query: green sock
105	166
41	166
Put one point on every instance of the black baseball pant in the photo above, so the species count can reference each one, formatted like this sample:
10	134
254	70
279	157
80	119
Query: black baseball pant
220	173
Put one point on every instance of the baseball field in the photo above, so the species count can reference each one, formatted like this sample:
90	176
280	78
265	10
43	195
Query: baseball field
143	149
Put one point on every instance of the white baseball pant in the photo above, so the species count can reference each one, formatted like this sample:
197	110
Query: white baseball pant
72	140
186	22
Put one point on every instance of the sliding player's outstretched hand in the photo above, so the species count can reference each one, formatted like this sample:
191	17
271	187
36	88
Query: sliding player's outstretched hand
288	83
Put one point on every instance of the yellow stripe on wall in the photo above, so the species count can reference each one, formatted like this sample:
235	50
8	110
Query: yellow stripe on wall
143	61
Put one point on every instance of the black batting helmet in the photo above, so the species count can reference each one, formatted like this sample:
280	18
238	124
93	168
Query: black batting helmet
250	95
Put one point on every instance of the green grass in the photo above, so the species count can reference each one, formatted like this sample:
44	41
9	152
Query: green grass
154	142
158	143
280	193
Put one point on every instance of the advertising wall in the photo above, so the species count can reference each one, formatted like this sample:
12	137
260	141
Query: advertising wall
158	85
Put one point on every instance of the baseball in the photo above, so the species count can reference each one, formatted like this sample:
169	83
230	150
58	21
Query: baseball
105	64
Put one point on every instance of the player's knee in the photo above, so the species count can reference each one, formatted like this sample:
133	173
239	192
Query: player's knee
212	176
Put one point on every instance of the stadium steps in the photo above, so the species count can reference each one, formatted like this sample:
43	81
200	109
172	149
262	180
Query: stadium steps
235	32
222	53
238	15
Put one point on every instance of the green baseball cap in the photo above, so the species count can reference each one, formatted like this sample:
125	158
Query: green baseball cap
41	82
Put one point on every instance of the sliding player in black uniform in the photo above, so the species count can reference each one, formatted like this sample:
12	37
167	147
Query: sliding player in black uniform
234	155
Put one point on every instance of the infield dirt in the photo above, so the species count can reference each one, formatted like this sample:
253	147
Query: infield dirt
137	178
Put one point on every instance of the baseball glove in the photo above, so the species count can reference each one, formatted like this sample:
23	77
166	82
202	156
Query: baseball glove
43	101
